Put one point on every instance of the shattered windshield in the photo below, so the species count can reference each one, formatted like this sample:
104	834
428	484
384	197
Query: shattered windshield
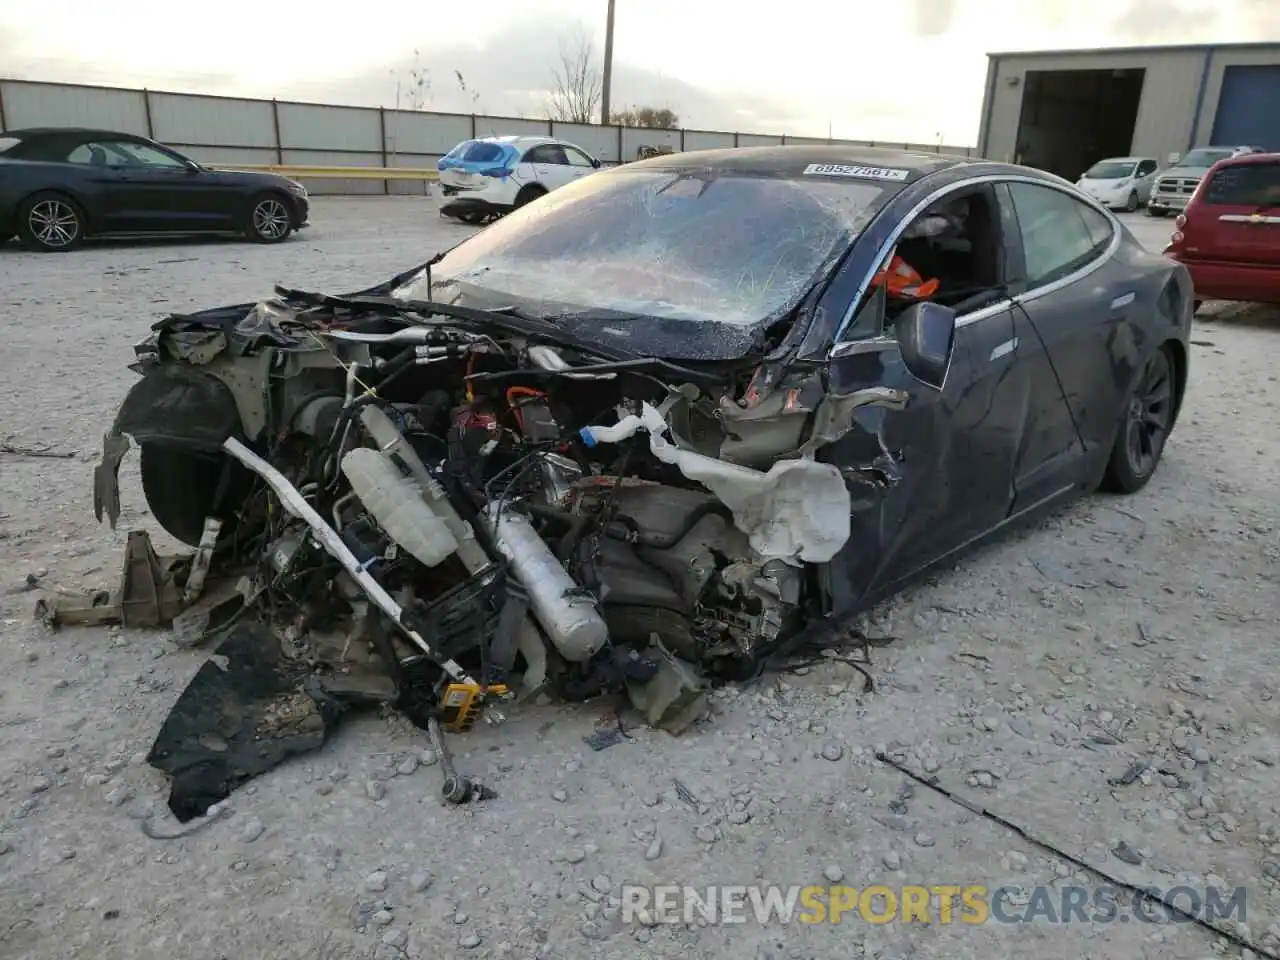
678	245
1110	170
1204	158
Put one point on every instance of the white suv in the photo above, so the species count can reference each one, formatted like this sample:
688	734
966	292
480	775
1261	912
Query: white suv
483	179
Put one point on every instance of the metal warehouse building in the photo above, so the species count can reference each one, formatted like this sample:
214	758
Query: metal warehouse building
1064	110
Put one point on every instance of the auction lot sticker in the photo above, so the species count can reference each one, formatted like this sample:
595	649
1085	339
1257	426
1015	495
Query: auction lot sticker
862	173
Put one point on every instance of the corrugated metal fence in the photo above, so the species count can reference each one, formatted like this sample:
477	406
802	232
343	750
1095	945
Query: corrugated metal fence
228	130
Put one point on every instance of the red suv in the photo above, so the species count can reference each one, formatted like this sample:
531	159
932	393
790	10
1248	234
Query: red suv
1229	234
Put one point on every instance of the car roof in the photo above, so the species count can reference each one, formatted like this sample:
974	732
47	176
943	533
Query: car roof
70	132
1245	159
1124	159
792	159
515	138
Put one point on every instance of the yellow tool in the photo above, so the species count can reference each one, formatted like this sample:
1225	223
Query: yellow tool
463	702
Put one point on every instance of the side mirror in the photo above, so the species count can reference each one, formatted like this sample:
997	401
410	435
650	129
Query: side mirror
193	167
595	163
926	336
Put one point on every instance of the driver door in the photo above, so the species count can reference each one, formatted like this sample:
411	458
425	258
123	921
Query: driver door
949	455
159	191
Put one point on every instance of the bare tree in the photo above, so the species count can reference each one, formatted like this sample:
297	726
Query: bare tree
653	118
419	85
472	96
575	96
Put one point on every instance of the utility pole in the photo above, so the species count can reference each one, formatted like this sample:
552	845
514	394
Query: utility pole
606	82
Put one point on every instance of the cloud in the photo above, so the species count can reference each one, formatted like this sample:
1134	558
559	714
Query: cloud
1166	21
932	18
512	69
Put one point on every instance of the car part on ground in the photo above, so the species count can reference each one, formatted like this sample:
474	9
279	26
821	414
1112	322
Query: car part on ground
62	185
1229	235
482	179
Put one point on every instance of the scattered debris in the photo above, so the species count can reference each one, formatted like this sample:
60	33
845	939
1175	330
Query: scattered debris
13	449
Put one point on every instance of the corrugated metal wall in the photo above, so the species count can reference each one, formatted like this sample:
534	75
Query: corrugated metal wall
228	130
1180	96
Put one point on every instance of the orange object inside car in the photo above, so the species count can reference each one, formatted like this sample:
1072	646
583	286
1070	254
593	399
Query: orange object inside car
903	280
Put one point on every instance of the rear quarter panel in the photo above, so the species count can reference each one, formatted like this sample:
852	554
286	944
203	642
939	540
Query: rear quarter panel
20	179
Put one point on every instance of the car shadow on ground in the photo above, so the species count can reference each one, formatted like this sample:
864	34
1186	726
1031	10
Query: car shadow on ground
167	242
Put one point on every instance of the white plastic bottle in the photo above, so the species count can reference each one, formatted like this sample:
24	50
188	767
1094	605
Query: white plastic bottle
396	504
391	441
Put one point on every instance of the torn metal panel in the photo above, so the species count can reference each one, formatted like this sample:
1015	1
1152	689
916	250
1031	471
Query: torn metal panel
798	510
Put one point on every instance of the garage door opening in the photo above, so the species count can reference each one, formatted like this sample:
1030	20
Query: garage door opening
1073	118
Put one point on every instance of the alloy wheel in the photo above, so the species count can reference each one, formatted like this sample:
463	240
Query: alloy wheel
54	224
1149	416
270	219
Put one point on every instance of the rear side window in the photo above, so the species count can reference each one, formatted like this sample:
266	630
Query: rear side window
1059	233
1245	185
477	151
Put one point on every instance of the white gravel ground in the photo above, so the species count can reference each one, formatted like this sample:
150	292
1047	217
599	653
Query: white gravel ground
1024	679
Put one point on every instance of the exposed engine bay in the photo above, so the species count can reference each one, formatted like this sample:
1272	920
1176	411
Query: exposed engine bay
467	505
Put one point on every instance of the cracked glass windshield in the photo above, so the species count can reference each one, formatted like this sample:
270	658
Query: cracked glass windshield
672	244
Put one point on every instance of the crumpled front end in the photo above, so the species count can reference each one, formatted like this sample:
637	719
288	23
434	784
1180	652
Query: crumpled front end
475	509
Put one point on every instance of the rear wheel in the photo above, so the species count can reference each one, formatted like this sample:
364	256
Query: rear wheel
1131	204
269	218
51	223
1144	427
528	195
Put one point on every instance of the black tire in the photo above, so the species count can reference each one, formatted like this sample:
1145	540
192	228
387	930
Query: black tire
528	194
1144	427
1156	213
180	487
475	218
51	223
269	219
1131	204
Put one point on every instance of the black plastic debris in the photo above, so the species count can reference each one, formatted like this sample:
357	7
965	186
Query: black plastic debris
244	712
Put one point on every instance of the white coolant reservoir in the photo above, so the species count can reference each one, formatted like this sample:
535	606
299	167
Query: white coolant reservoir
395	502
391	442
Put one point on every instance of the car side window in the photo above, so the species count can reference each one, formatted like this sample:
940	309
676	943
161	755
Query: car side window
1245	185
148	156
1059	233
1146	168
110	154
577	158
546	153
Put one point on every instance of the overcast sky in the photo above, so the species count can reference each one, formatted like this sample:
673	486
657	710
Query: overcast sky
912	70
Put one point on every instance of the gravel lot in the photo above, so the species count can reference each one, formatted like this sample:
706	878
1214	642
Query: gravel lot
1024	679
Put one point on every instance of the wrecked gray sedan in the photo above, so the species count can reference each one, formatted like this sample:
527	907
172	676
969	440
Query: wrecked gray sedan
673	421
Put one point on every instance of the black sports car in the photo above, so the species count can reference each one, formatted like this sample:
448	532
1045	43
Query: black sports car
61	185
684	398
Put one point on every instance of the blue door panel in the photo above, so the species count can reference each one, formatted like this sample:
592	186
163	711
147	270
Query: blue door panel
1249	108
